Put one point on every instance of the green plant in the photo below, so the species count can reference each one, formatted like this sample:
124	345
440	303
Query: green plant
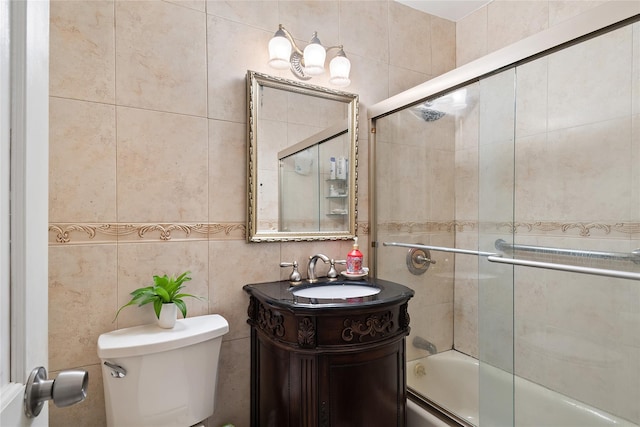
164	291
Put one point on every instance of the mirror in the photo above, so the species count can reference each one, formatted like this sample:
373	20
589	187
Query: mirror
301	161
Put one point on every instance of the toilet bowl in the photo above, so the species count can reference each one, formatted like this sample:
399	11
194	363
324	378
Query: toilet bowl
162	377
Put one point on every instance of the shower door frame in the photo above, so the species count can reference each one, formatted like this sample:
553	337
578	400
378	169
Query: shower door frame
590	24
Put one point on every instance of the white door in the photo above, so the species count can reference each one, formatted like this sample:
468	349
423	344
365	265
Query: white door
24	129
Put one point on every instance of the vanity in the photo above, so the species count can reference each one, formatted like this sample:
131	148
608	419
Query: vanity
329	353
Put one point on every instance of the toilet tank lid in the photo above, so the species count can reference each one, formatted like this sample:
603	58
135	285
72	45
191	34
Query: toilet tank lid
148	339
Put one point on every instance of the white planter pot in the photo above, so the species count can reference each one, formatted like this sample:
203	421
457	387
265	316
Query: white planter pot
168	316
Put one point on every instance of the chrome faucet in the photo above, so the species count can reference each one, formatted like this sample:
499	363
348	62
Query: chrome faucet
311	269
421	343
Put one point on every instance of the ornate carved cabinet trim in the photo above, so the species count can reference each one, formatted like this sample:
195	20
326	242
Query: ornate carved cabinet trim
373	326
404	318
306	333
268	320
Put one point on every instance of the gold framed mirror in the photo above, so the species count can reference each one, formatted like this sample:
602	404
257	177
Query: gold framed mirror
302	161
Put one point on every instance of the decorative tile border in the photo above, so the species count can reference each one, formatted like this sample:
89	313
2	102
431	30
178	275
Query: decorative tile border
583	229
82	233
68	233
427	226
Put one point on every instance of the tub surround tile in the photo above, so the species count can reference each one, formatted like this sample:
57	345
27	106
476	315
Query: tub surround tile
159	65
410	42
82	303
82	172
401	79
575	154
82	56
199	5
532	100
443	45
472	37
607	77
561	10
466	184
497	95
509	22
161	167
137	264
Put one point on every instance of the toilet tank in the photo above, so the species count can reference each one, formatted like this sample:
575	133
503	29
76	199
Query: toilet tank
171	374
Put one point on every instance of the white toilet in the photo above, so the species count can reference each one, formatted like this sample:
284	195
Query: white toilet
162	377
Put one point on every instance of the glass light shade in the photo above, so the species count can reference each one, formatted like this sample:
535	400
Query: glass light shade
279	52
340	67
314	56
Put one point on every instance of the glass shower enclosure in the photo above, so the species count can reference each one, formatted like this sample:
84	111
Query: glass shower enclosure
510	203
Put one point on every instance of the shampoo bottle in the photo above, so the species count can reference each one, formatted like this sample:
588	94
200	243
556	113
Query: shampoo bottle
354	259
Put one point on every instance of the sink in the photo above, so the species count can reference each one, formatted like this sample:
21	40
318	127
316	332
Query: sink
336	291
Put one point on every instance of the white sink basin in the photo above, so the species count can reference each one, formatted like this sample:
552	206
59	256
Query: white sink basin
336	291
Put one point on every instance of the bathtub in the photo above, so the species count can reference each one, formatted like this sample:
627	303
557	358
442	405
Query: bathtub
450	380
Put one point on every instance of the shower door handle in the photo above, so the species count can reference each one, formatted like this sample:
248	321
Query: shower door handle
566	267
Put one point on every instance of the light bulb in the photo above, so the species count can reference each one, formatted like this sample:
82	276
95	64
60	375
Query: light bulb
314	56
340	67
279	51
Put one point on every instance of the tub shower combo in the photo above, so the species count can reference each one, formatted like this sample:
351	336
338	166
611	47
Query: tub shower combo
506	193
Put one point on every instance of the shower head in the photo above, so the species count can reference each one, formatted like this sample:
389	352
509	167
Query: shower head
426	113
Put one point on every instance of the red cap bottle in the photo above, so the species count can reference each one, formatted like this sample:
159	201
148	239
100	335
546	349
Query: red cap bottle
354	259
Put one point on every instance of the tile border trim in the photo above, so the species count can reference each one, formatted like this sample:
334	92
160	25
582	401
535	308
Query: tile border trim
574	228
103	233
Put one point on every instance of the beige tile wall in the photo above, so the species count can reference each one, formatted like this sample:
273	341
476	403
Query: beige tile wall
503	22
576	185
147	143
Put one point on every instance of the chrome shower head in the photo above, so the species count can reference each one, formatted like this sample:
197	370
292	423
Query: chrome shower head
426	113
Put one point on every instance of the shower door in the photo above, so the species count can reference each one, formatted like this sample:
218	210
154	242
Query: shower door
528	193
574	200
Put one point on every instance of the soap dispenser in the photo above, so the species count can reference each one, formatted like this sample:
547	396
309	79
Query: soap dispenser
354	259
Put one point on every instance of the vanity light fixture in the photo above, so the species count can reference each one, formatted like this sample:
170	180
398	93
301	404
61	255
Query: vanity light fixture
304	64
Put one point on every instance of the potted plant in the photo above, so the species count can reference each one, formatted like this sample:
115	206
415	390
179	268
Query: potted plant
165	296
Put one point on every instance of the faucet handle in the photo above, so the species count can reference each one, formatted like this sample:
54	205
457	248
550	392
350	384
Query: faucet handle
341	261
295	276
332	273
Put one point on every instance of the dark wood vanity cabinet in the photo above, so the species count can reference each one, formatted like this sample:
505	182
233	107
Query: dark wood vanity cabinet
338	364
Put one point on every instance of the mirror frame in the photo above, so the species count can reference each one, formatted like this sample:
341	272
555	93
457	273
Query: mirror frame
256	80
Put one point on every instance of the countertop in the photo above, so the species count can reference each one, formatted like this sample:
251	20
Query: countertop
280	294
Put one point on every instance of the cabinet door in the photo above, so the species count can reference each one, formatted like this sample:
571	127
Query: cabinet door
272	384
363	389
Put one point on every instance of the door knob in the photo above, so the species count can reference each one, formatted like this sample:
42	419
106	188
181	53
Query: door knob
68	388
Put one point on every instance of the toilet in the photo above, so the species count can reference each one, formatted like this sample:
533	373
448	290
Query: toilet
162	377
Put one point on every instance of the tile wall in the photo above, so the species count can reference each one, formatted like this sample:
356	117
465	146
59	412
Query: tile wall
147	158
576	185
